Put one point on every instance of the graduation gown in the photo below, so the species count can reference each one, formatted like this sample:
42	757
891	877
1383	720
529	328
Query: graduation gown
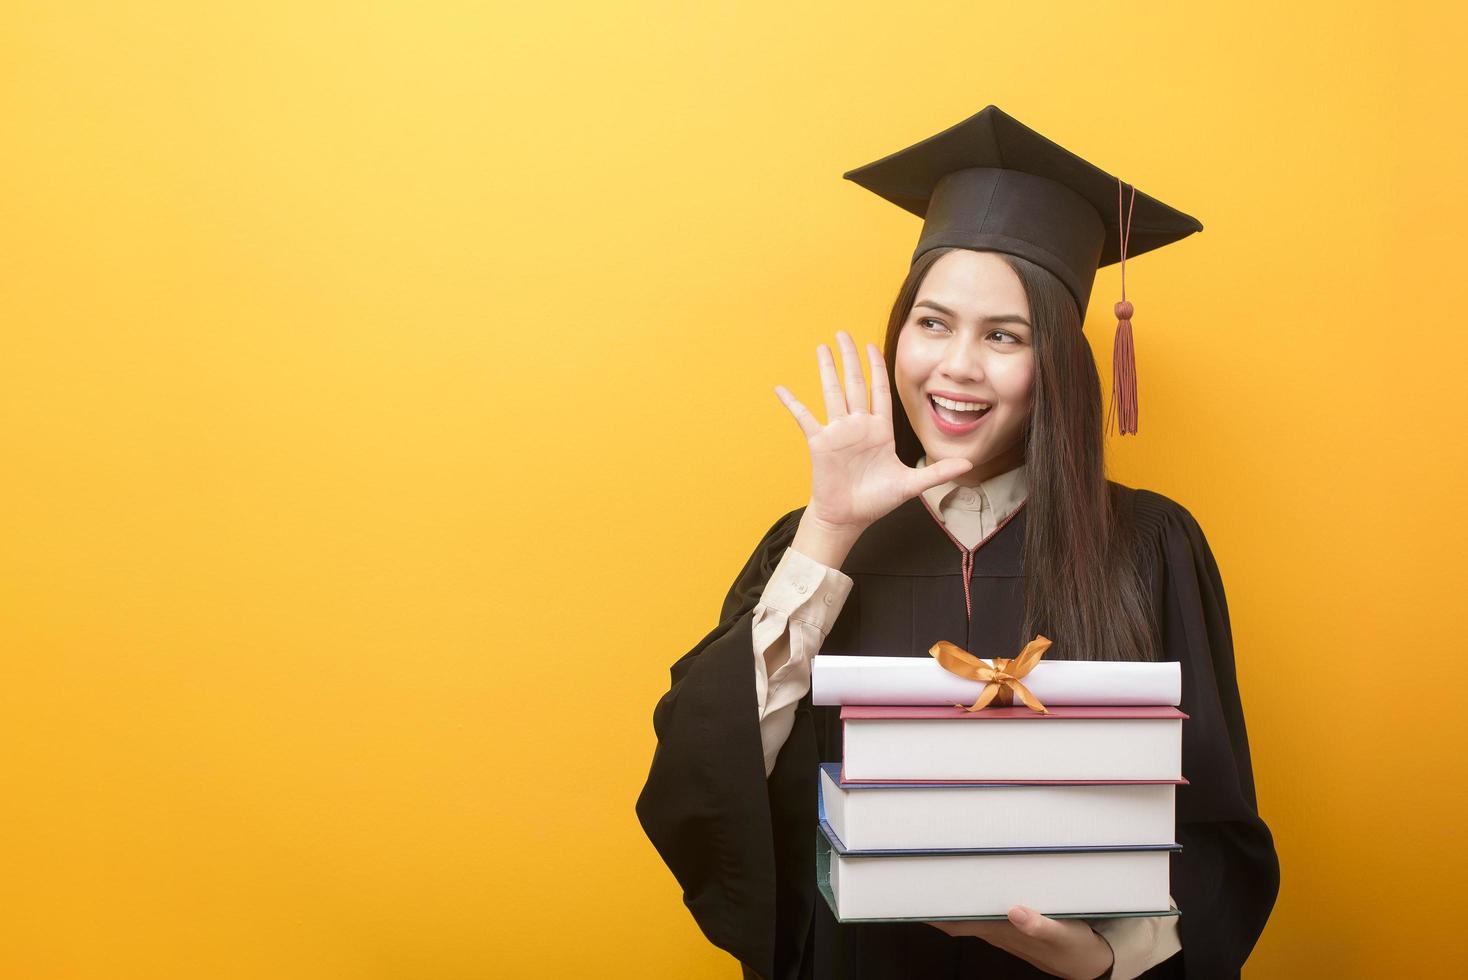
743	847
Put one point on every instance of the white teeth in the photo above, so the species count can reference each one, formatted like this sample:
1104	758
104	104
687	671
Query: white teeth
959	406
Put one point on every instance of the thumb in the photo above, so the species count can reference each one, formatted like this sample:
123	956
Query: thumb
940	472
1033	924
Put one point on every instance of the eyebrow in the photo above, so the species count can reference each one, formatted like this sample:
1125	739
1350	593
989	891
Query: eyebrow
1006	318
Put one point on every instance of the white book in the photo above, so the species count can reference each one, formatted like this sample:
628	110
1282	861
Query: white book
843	679
905	816
987	884
1069	744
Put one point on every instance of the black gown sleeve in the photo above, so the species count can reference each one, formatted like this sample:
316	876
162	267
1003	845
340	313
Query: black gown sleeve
736	841
1226	877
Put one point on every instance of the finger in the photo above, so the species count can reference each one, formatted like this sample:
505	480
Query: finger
1036	926
986	930
830	386
881	392
935	473
803	417
856	386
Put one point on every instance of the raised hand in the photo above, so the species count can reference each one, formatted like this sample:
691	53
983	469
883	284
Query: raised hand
856	476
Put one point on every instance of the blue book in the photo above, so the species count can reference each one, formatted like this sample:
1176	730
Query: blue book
928	815
923	884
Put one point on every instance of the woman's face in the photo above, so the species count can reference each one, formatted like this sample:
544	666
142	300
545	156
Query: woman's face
968	340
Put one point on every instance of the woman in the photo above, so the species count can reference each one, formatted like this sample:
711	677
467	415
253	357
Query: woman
978	511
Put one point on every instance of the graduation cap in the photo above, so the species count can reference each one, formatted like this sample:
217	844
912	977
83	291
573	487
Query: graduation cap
994	184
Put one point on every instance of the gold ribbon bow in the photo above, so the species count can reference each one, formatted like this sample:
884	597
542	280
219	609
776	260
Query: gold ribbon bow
1002	679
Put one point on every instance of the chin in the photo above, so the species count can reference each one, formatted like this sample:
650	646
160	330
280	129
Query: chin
939	446
980	451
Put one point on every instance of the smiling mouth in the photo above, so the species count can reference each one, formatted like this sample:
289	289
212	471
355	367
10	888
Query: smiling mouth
944	409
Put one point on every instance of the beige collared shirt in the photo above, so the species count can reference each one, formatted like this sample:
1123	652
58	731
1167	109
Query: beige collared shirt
971	514
799	606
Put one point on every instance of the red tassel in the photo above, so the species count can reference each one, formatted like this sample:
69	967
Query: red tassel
1124	371
1123	353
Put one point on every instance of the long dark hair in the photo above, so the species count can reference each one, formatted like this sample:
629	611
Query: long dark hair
1082	587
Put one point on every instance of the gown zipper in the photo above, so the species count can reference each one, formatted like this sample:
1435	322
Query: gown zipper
966	562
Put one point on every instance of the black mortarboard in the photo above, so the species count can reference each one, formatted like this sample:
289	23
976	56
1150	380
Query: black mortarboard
992	183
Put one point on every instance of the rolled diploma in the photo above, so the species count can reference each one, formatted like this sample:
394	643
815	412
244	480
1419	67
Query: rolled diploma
837	679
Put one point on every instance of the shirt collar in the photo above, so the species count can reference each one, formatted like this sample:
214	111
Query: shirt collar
1001	495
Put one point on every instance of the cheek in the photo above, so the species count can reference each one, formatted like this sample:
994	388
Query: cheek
908	398
907	371
1015	380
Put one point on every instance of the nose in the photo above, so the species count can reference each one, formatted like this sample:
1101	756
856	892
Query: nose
963	357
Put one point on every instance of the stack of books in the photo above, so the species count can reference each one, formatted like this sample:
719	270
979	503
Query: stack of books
935	812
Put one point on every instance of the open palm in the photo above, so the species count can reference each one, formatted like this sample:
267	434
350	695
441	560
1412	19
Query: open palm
856	476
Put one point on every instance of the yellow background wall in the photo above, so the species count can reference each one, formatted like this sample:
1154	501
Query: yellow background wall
385	404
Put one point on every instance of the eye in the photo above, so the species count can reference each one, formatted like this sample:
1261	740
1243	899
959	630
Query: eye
924	321
1004	333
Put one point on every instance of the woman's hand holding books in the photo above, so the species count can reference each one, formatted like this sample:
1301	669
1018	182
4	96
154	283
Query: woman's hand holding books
1062	947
